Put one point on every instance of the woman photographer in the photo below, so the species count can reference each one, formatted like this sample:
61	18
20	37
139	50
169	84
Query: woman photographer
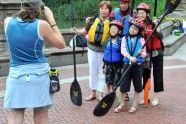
27	84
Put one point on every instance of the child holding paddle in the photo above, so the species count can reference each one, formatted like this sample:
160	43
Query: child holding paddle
155	50
131	49
112	55
122	13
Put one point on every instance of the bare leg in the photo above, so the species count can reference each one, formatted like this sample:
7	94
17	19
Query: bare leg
16	116
123	98
156	95
155	100
41	115
118	96
120	108
111	88
108	88
141	99
134	103
100	96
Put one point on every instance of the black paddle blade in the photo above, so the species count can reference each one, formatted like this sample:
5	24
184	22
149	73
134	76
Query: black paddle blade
75	93
171	5
104	105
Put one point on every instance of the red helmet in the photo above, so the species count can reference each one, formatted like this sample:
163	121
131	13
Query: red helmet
143	6
118	23
125	1
137	22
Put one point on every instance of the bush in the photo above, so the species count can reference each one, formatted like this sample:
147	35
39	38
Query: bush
69	14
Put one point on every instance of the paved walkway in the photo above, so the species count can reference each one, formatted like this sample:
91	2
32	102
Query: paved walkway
172	109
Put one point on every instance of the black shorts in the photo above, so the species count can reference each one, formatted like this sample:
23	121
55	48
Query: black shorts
134	74
113	73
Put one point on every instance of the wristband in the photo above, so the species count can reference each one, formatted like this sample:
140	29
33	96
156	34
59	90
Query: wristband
53	25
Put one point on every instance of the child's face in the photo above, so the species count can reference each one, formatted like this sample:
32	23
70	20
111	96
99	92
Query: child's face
123	6
142	15
133	30
114	30
104	11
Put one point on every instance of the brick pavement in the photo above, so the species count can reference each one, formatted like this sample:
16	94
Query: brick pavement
172	109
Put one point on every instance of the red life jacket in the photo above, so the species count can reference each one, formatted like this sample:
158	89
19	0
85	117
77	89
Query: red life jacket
157	42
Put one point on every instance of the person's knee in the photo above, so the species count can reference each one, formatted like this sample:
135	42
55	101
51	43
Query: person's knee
16	116
17	111
41	115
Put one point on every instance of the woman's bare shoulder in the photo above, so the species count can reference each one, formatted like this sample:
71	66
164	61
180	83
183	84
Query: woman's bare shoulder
6	20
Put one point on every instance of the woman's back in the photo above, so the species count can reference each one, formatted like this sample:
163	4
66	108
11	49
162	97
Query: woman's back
24	42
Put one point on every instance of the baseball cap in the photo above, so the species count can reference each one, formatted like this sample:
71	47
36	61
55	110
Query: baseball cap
31	4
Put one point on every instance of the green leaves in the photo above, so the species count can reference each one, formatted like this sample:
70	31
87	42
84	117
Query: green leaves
67	10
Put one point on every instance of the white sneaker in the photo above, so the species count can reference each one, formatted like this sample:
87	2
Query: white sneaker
155	102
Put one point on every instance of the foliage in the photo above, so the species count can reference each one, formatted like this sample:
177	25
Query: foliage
69	13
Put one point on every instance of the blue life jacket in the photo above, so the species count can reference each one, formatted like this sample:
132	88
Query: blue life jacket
25	45
125	20
133	49
112	52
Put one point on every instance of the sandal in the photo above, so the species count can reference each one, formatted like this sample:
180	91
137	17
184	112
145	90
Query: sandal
90	98
119	109
132	109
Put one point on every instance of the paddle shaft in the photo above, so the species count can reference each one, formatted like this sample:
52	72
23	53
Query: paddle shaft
133	3
72	13
74	57
155	7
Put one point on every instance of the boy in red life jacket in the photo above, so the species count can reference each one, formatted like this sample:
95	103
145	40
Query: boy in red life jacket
131	49
155	50
112	55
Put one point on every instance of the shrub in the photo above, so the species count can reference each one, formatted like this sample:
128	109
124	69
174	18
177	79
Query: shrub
69	14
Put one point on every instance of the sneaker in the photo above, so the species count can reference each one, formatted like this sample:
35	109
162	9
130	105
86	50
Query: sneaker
155	102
